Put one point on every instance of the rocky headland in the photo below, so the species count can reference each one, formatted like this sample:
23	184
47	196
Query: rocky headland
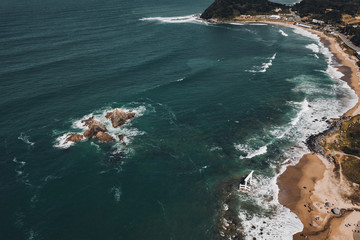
97	129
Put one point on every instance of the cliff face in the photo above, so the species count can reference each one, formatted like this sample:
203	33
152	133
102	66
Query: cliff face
226	9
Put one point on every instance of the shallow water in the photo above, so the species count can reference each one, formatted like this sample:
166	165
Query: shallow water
213	103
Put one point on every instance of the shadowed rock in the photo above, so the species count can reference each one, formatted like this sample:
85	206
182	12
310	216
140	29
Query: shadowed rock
88	121
335	211
121	137
74	137
94	128
104	137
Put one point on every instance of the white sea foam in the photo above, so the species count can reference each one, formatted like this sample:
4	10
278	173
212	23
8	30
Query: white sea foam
306	33
250	152
26	139
178	19
117	193
283	33
264	66
239	24
314	47
19	163
304	108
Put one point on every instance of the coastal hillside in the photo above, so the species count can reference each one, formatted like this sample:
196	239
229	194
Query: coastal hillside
225	9
328	10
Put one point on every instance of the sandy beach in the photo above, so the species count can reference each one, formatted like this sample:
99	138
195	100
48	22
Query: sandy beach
311	188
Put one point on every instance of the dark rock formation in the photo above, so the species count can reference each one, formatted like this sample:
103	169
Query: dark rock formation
226	9
315	142
74	137
121	137
104	137
94	128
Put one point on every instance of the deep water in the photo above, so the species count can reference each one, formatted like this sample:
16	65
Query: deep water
214	102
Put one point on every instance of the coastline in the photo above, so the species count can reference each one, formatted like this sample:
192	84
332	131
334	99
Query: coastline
310	188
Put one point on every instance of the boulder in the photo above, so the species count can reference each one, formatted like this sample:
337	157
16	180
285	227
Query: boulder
327	204
74	137
117	117
88	121
121	137
104	137
131	115
94	128
336	211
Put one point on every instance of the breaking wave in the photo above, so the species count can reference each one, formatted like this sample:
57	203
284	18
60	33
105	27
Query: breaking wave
264	66
315	48
178	19
283	33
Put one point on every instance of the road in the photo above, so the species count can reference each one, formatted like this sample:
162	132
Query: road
347	42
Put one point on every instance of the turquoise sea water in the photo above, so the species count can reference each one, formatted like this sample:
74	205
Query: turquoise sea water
212	101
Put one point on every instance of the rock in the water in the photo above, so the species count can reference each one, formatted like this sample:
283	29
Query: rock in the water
88	121
131	115
104	137
335	211
117	117
74	137
121	137
94	128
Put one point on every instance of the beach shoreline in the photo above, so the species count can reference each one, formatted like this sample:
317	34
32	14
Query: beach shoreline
310	188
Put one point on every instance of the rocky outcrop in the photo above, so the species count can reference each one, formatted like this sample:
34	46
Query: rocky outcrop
119	117
121	137
73	137
98	130
94	128
104	137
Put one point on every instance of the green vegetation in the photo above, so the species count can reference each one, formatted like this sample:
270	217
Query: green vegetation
351	168
330	11
347	140
228	9
349	136
354	32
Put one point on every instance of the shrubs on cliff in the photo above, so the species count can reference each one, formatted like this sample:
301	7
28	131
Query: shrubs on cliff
226	9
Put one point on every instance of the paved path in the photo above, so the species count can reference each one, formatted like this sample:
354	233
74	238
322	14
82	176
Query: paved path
348	42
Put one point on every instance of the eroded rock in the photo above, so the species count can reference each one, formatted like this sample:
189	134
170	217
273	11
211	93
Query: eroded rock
119	117
74	137
94	128
104	137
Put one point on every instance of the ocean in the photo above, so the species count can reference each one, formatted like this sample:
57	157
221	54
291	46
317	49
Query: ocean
212	103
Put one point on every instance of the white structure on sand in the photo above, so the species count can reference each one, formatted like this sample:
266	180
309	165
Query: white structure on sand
247	180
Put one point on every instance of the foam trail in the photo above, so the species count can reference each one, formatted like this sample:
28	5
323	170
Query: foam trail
178	19
26	139
283	33
249	151
304	108
264	66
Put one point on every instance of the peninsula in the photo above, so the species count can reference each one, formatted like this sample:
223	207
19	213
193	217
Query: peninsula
323	188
